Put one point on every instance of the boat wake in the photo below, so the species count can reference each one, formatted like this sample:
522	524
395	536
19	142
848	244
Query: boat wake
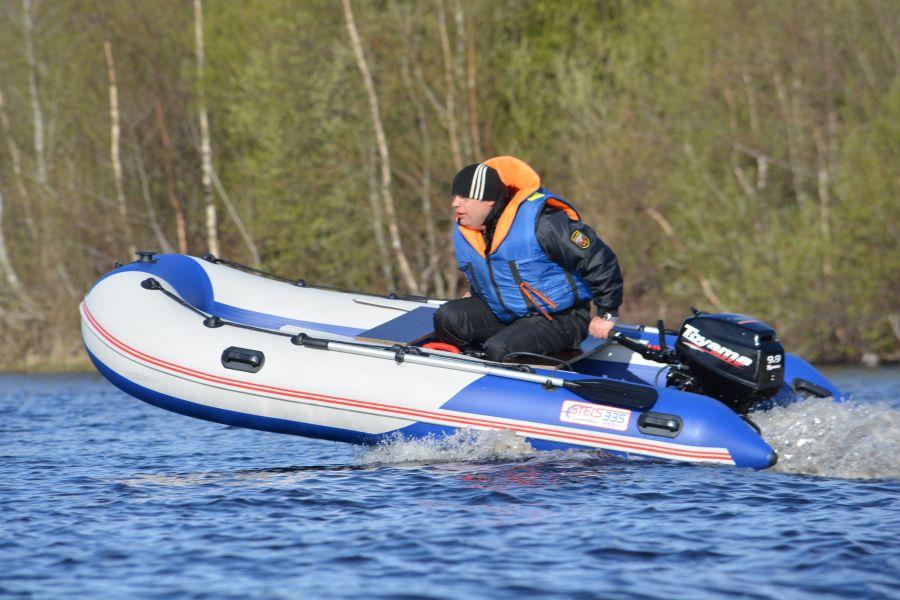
465	446
817	436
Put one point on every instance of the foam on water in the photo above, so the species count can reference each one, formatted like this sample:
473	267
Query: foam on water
816	436
465	445
819	436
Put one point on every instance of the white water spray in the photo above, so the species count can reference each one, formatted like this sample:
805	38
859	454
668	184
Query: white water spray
816	436
466	445
819	436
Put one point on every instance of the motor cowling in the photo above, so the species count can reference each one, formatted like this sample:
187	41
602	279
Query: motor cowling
735	358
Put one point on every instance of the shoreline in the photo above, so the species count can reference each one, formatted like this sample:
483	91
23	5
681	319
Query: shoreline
82	364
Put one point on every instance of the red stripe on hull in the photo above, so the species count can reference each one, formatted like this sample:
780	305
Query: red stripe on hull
617	443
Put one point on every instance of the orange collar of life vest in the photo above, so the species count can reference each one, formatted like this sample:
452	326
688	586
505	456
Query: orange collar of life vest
518	175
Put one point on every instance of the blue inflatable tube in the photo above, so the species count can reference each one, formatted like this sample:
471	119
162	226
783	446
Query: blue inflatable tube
159	343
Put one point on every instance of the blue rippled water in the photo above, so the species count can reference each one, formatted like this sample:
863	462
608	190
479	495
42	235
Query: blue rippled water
103	496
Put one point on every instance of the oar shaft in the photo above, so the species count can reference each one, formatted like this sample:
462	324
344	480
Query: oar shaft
446	364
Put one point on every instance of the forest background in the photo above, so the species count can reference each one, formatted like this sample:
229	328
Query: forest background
737	155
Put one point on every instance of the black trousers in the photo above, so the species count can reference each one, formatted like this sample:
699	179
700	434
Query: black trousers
469	322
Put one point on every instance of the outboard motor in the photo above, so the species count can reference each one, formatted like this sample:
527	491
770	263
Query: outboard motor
734	358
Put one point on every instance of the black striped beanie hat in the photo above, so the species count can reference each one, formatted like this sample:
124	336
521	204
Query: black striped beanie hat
479	182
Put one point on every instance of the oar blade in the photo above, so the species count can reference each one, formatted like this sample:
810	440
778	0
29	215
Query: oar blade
615	393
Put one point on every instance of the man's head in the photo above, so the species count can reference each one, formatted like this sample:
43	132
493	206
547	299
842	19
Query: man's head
477	191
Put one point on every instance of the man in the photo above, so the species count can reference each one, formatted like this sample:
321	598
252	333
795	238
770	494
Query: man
533	266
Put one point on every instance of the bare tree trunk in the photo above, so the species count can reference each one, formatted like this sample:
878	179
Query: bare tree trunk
471	88
739	174
180	226
424	185
114	136
452	127
823	181
743	181
387	266
762	165
459	59
826	147
708	181
50	242
448	279
894	321
705	284
66	279
148	201
433	268
212	228
239	223
381	141
17	171
789	113
37	113
10	275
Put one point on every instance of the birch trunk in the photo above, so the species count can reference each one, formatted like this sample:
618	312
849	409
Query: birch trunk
434	256
823	180
114	137
180	226
447	278
739	174
387	196
788	112
387	266
459	59
450	102
762	166
36	112
212	226
17	171
10	275
472	89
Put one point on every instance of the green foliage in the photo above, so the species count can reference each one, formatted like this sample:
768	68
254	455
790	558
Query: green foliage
732	152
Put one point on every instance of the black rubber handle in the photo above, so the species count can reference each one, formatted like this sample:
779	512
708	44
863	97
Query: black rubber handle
243	359
301	339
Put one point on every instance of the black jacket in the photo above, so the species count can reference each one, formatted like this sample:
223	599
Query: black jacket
596	263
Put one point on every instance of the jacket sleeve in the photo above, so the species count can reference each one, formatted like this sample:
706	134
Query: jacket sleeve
564	242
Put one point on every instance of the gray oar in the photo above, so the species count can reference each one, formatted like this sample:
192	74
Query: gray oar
618	393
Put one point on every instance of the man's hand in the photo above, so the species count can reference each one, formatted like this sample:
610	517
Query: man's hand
600	327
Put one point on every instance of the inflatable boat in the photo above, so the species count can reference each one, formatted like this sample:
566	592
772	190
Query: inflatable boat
218	341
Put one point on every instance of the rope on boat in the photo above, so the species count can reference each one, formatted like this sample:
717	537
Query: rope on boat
302	339
212	258
628	395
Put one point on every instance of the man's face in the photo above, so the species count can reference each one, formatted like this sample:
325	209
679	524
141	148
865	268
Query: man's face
471	213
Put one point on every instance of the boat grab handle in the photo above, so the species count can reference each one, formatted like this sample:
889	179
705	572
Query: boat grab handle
243	359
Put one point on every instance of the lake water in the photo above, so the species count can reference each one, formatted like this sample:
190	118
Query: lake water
104	496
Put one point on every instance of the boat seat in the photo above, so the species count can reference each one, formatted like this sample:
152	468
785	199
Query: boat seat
416	326
408	329
534	361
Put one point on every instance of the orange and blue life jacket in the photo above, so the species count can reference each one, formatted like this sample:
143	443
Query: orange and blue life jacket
515	277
